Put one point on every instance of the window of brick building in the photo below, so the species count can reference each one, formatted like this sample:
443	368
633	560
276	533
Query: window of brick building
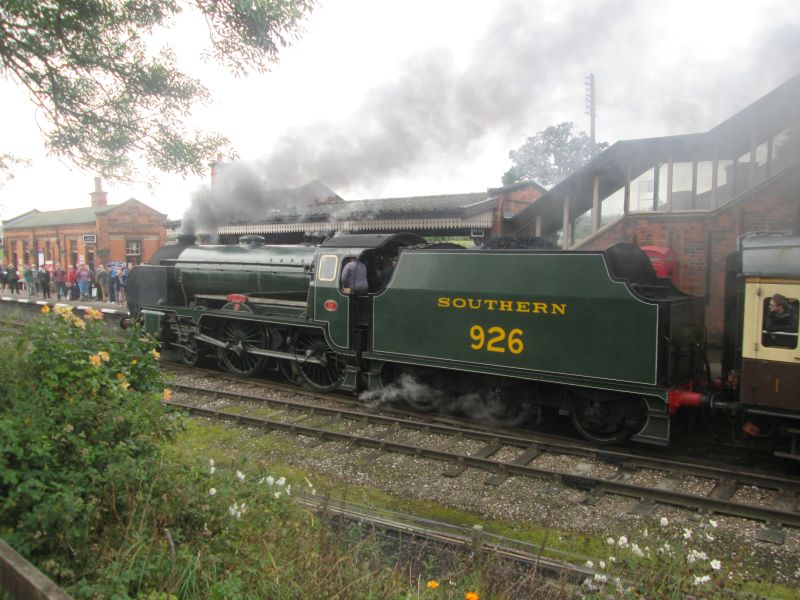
73	252
133	252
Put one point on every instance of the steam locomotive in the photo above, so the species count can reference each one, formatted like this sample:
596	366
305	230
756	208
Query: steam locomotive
594	335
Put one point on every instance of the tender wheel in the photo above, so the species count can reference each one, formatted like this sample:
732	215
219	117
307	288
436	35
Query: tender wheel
326	372
239	335
605	421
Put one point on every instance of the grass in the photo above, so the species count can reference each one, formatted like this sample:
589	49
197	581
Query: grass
234	446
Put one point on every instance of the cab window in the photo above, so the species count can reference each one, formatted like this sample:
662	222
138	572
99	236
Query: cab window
779	324
327	267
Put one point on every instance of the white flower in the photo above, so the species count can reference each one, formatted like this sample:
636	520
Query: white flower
212	491
687	534
602	564
610	541
589	564
710	537
666	546
242	509
281	482
696	555
212	469
600	578
713	523
623	541
716	565
636	550
276	495
701	580
289	490
270	480
612	559
664	521
645	534
235	511
210	462
239	475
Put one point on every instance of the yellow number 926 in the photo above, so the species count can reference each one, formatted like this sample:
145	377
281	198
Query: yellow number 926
495	339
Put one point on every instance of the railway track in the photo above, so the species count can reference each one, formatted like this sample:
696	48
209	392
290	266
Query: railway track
504	456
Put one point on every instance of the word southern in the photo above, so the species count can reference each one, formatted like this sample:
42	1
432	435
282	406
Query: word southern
520	306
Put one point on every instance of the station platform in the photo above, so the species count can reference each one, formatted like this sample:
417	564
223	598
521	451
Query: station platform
26	300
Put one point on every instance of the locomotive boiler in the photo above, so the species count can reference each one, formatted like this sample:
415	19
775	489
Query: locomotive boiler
595	336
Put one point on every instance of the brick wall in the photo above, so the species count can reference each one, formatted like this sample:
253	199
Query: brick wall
511	200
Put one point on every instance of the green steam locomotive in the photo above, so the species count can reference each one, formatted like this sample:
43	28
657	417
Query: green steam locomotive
504	334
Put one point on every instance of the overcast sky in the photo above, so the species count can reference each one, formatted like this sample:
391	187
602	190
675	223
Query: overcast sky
387	99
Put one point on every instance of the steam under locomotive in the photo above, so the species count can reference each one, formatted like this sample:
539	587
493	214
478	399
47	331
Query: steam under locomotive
595	336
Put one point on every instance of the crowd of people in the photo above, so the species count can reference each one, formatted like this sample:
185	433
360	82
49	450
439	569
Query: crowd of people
78	282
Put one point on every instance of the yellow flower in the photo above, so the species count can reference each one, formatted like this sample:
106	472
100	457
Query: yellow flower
93	313
134	362
155	353
79	323
167	395
119	376
95	360
472	596
432	585
104	355
125	385
45	309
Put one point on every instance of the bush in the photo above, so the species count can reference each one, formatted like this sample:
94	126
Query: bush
81	430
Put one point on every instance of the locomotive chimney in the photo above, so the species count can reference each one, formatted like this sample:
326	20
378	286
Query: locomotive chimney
186	239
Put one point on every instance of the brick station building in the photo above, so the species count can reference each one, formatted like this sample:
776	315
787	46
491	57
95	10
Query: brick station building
129	232
692	195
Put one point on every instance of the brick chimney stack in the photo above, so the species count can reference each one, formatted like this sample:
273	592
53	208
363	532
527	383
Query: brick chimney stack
99	197
216	167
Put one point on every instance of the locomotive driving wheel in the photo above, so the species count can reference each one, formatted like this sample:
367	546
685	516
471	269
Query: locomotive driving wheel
605	420
239	335
190	353
320	367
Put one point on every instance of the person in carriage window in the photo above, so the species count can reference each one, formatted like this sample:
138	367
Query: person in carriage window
780	323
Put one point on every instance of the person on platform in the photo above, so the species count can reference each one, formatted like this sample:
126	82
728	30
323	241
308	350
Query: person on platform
101	277
44	282
12	275
84	280
27	274
72	283
60	281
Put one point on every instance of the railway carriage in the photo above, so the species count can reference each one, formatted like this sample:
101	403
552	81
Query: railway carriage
593	335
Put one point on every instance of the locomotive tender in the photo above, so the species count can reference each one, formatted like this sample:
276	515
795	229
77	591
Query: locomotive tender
593	335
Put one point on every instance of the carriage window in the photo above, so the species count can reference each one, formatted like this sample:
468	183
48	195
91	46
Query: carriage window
327	267
779	327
